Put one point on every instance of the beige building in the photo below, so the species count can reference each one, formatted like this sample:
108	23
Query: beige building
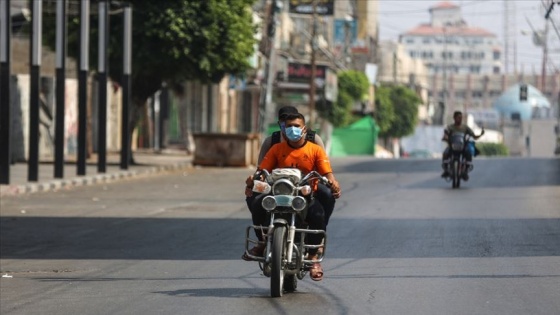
397	67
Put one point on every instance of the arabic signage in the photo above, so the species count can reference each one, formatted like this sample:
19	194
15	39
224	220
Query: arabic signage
298	72
324	7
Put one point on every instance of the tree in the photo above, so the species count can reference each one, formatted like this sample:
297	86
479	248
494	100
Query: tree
353	82
384	113
352	85
172	41
405	106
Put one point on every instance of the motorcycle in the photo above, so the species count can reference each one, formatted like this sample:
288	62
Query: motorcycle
458	166
287	199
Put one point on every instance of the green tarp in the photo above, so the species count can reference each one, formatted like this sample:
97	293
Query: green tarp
359	138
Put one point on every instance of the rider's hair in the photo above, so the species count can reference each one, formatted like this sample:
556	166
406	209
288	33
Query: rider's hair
293	116
285	111
457	113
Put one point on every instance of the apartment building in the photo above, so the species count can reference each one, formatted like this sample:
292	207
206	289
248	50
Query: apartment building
449	45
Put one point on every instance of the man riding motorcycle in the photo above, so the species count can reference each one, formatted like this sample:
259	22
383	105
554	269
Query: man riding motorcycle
324	193
306	156
468	151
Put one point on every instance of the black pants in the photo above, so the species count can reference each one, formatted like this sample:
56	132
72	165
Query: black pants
325	197
315	218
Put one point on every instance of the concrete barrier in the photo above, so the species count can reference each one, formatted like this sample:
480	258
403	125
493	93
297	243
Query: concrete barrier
220	149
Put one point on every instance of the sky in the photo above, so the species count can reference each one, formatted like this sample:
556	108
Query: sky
398	16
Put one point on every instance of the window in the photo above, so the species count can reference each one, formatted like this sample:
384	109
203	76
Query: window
460	94
474	69
409	40
496	55
426	40
496	69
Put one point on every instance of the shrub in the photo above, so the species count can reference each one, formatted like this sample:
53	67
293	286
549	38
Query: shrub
492	149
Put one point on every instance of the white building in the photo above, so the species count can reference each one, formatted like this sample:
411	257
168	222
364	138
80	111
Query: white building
448	45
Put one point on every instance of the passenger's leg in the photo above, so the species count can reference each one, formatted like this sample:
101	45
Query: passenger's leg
445	163
316	221
325	197
258	214
468	167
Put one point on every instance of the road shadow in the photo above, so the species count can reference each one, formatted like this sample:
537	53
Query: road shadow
223	239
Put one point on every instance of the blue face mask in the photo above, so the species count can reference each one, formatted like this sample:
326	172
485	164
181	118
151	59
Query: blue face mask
293	133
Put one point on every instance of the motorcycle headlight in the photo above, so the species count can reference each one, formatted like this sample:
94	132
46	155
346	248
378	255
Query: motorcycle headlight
457	146
298	203
282	187
269	203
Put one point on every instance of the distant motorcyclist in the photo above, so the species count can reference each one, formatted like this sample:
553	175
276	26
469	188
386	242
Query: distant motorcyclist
458	127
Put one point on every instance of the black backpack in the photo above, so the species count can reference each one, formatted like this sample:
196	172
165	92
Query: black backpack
277	136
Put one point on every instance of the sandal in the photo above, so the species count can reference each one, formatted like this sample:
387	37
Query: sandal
316	272
255	251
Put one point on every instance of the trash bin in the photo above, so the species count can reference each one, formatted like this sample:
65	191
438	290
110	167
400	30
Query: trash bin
223	149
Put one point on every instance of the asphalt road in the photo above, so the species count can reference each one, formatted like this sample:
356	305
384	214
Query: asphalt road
401	241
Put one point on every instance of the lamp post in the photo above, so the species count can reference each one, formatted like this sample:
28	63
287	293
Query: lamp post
61	7
5	63
127	69
103	40
82	87
36	38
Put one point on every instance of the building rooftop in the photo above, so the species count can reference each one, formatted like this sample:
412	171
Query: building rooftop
429	30
444	5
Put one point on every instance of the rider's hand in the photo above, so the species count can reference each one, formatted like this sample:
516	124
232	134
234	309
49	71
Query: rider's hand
249	186
335	188
249	181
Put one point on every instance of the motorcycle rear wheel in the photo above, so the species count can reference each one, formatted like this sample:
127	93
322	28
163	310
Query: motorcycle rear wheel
277	270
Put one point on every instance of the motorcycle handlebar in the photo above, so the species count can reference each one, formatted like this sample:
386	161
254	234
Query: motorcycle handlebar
315	175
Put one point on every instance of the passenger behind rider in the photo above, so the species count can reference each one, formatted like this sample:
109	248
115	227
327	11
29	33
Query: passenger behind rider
296	151
324	193
458	127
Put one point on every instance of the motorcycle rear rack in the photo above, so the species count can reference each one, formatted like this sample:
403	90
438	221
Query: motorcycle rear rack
253	241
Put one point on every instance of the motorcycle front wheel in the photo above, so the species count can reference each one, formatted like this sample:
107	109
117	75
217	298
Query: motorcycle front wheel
456	174
277	270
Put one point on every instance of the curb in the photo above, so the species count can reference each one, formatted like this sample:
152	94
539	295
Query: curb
13	190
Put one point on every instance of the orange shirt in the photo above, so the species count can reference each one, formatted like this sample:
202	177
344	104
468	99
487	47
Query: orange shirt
307	158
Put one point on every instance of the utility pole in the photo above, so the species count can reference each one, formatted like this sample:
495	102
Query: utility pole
312	87
545	56
270	51
444	83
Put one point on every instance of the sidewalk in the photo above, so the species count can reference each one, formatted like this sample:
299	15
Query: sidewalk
147	162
